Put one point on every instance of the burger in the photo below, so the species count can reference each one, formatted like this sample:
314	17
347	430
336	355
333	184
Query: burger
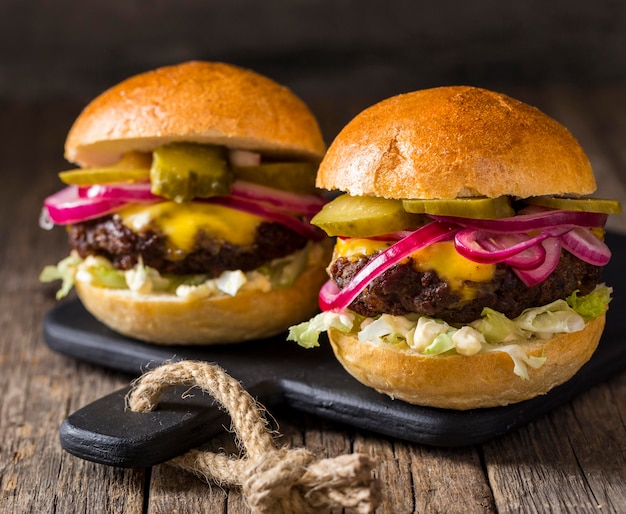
469	253
188	214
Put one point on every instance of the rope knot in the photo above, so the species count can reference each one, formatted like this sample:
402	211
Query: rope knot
273	481
270	484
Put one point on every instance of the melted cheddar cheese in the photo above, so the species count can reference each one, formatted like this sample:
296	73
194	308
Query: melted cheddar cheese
449	265
180	222
442	258
353	247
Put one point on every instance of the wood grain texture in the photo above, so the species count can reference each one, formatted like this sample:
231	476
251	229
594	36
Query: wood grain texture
572	460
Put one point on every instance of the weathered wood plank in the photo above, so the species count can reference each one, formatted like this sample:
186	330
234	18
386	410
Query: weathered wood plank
39	387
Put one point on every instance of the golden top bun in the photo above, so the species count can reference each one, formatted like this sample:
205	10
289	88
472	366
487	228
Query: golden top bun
168	319
451	142
460	382
203	102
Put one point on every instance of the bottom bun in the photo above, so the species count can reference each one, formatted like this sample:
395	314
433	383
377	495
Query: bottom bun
459	382
168	319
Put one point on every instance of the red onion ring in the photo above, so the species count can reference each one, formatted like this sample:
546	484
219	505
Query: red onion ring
301	227
587	247
74	204
308	205
67	206
129	192
331	298
527	259
531	277
488	247
531	222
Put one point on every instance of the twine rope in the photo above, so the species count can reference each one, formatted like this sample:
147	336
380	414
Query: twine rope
273	480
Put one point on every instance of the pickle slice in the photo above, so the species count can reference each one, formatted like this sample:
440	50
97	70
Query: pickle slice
183	171
474	207
297	177
602	205
365	216
132	167
91	176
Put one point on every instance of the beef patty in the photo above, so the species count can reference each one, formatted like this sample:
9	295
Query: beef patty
109	237
402	290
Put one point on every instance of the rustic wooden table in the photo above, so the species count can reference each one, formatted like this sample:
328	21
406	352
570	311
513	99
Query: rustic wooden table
571	460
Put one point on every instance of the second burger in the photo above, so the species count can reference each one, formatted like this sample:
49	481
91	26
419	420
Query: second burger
467	269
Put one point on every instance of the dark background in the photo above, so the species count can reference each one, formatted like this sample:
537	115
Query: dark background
335	54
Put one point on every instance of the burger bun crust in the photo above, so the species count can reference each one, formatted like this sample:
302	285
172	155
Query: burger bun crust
197	102
457	141
461	382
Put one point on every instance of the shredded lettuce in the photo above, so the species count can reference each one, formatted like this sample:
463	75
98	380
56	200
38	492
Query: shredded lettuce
592	305
387	329
441	344
64	271
521	361
307	333
497	328
143	279
277	274
282	273
492	332
426	331
556	317
106	276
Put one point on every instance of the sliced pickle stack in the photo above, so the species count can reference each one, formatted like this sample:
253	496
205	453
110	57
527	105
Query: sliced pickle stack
365	216
475	207
132	167
297	177
183	171
589	204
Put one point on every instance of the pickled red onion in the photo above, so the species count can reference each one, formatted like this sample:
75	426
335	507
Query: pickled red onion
282	200
67	206
244	158
491	247
75	204
301	227
331	298
530	222
129	192
527	259
308	205
531	277
587	247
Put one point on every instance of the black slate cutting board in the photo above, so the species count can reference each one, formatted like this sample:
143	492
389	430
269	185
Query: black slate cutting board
278	372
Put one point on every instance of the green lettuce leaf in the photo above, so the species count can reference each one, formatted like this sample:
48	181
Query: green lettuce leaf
497	328
592	305
284	272
103	275
65	271
307	334
387	329
553	318
441	344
